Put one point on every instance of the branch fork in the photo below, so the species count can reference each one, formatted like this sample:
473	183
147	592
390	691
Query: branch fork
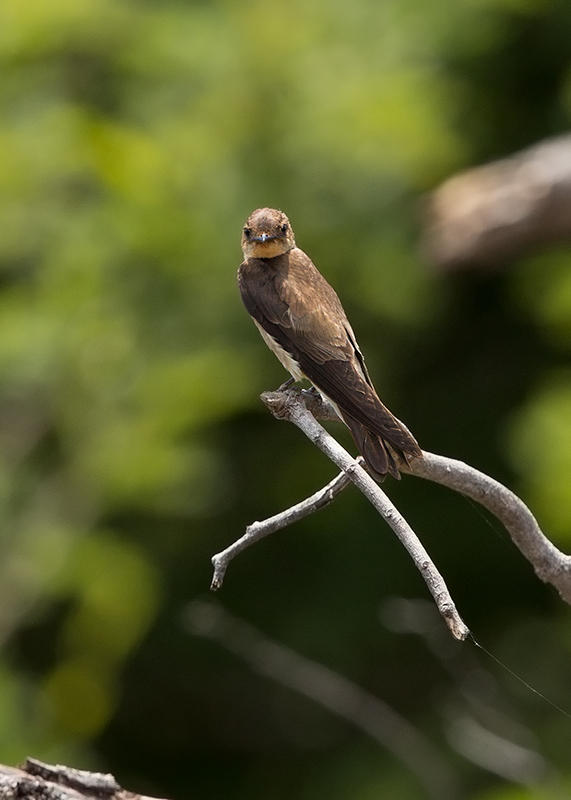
303	407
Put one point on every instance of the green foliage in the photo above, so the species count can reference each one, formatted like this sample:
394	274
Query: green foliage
135	138
542	453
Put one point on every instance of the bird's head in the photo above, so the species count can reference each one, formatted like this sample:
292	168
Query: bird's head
267	234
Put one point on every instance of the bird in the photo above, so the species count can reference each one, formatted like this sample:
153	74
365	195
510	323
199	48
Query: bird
302	321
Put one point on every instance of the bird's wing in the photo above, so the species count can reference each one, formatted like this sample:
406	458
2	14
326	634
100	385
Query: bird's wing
305	317
303	306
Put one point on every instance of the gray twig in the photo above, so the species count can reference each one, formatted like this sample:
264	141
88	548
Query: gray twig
257	530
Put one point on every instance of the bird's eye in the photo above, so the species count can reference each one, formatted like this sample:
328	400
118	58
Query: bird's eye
247	233
284	228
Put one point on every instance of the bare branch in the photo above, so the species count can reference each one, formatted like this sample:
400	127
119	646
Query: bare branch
334	692
257	530
290	405
39	781
550	564
491	214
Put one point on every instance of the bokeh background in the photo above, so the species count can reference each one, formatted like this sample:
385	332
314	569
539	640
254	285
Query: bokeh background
135	138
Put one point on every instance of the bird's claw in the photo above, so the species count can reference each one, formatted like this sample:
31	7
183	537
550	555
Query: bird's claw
285	385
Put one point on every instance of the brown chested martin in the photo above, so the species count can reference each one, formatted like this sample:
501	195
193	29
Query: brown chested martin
302	321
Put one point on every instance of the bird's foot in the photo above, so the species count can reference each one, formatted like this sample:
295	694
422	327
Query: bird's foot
285	385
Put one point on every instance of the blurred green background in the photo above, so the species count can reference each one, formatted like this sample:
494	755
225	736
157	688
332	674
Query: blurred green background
135	138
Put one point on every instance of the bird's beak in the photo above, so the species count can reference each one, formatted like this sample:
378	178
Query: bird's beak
264	237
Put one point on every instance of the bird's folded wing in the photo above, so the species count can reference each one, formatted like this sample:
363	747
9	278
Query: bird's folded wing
332	364
296	316
342	383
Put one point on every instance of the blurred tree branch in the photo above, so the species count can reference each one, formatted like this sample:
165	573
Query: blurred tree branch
491	214
550	564
480	743
332	691
39	781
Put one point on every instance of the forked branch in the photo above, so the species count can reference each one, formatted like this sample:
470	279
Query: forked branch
302	407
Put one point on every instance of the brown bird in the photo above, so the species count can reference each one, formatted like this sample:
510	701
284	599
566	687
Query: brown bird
302	321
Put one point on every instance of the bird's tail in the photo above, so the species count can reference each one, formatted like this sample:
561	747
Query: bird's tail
381	453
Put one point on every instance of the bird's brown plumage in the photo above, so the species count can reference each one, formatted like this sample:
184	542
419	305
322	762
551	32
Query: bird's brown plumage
303	321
